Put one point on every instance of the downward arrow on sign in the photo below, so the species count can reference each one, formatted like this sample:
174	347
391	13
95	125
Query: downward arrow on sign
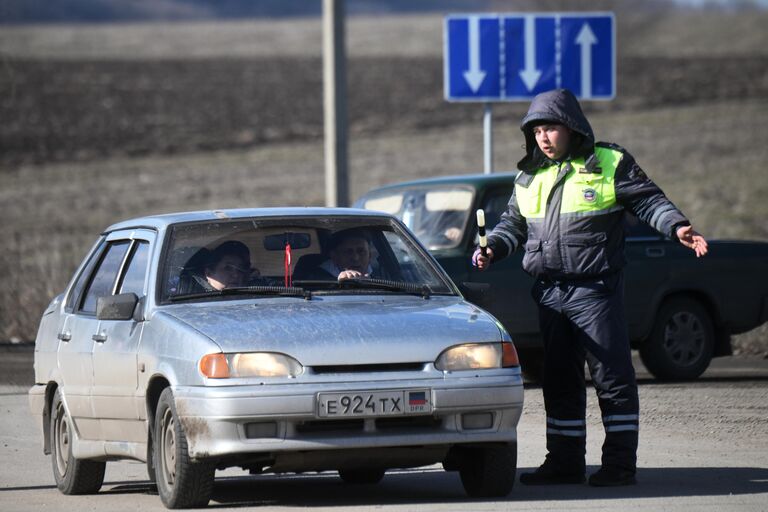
530	75
474	76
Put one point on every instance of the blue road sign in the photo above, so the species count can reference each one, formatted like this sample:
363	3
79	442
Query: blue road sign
514	56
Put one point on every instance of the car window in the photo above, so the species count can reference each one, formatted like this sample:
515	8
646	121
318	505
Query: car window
437	215
82	279
207	258
494	205
104	278
133	278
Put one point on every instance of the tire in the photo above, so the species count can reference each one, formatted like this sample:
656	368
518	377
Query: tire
73	476
362	476
151	473
181	483
489	471
682	341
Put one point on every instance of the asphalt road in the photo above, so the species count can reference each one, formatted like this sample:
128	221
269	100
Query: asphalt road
703	446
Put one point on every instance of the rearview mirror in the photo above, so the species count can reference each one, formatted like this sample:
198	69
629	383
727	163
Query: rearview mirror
278	242
116	307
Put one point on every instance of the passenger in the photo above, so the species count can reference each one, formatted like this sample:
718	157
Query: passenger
229	266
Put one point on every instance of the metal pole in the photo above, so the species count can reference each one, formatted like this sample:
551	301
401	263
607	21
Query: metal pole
335	104
488	139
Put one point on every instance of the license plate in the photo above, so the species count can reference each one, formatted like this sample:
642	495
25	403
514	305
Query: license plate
360	404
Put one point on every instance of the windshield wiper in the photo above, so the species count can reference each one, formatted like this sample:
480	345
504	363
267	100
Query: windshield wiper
371	282
283	291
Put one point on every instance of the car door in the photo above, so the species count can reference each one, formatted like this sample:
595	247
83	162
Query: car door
646	275
116	400
75	353
72	357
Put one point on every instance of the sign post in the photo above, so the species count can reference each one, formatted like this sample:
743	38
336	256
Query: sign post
515	56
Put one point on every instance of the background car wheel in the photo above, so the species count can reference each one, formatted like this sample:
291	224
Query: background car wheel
73	476
682	341
488	471
181	483
362	476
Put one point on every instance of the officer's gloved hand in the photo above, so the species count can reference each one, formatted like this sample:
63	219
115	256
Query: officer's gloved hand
480	261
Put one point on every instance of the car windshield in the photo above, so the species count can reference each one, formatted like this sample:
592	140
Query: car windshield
216	260
437	215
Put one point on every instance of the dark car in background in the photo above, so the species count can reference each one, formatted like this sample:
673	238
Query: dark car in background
681	310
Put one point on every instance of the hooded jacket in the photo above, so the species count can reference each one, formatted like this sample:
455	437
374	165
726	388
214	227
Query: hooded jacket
582	237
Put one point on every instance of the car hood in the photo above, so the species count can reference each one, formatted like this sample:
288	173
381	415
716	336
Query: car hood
342	330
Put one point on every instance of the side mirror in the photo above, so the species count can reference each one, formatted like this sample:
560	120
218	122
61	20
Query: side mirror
117	307
474	292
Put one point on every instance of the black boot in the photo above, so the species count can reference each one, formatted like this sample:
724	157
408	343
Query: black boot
549	474
608	476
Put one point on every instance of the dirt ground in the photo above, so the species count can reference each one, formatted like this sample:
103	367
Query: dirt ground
702	447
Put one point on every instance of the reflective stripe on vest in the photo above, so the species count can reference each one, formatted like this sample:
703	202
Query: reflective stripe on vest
583	193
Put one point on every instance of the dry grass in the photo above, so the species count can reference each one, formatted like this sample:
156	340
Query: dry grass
54	212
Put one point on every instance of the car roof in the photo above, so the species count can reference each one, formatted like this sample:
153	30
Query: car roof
475	180
162	221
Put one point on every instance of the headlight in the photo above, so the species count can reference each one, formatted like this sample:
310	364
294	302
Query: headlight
476	356
249	364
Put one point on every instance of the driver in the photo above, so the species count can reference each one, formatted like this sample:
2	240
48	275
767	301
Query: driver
349	254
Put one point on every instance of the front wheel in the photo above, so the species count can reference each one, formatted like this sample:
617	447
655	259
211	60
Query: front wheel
181	483
488	471
73	476
682	341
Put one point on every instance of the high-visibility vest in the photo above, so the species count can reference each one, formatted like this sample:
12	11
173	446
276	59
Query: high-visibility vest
584	192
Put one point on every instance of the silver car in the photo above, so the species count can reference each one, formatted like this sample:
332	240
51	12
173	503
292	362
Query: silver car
275	340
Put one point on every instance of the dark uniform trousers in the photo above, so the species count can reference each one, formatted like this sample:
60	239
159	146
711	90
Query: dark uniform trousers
584	320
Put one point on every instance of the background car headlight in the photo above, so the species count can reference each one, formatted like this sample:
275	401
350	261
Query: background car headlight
475	356
249	364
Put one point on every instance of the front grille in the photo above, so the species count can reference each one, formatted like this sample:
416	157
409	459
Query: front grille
357	425
369	368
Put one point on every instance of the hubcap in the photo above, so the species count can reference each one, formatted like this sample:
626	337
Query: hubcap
168	447
684	338
61	441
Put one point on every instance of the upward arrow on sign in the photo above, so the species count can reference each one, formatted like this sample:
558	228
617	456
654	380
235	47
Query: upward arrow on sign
585	40
474	76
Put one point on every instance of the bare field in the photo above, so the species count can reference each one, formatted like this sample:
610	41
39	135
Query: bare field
81	110
91	136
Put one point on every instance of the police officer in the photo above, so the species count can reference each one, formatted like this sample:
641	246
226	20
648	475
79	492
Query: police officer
567	211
